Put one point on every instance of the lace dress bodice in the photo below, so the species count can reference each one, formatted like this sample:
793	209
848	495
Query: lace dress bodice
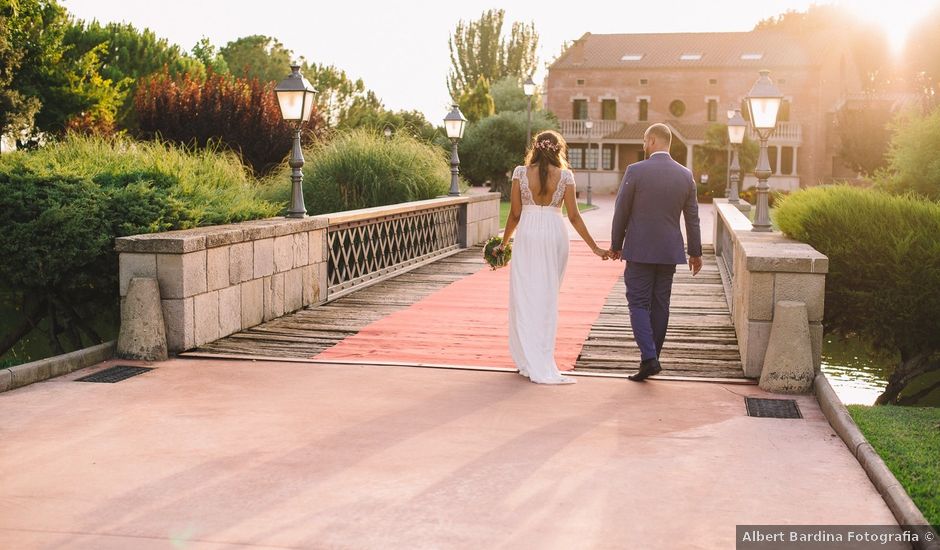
567	178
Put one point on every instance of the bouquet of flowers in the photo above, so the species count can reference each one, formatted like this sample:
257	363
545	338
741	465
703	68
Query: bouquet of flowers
496	257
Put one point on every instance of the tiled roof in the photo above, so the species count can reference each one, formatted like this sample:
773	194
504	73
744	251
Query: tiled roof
755	49
635	130
630	130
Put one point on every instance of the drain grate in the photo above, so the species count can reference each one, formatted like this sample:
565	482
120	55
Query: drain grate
114	374
772	408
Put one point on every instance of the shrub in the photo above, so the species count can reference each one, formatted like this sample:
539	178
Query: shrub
238	114
492	147
884	271
361	169
63	205
913	164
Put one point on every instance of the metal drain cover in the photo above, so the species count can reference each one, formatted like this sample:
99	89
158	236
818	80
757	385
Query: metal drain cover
114	374
772	408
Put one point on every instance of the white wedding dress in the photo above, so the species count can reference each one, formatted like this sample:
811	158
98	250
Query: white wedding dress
539	258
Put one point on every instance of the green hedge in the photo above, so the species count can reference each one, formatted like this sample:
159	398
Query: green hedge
361	169
884	268
62	206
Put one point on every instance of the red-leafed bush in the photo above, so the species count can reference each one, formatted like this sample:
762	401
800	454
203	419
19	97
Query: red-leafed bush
236	113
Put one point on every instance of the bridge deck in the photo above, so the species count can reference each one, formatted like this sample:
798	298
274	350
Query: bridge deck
701	342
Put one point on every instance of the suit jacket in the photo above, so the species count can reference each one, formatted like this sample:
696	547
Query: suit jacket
653	194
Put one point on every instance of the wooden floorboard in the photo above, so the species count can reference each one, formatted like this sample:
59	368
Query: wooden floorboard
701	341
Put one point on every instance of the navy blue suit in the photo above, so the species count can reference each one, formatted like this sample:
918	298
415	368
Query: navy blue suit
653	195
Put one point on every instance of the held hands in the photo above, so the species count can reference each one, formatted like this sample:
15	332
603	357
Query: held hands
600	252
695	264
615	254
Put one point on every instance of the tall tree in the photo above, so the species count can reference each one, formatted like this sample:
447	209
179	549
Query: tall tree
922	64
508	95
479	49
258	57
867	41
210	56
476	103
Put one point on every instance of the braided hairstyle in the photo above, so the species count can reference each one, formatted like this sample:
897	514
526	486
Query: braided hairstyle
547	147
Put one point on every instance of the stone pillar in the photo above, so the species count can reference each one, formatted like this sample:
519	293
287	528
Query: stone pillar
788	361
143	334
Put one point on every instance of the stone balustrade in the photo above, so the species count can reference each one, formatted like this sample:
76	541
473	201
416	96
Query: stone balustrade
215	281
766	268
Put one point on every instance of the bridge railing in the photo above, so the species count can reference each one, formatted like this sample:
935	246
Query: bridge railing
215	281
763	269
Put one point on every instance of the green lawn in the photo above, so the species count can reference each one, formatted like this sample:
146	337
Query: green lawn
908	440
504	211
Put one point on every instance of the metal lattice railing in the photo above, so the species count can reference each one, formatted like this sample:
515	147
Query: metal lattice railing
365	250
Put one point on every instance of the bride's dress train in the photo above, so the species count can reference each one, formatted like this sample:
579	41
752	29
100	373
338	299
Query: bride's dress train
539	258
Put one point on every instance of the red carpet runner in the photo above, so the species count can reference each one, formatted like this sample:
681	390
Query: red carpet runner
466	322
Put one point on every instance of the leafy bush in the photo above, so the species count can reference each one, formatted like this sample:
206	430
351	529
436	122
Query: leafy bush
361	169
63	205
913	164
238	114
492	147
884	270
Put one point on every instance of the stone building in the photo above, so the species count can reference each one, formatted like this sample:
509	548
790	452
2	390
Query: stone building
623	83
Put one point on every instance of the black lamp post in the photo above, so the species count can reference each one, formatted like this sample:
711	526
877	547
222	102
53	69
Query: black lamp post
763	104
528	88
454	124
295	98
736	128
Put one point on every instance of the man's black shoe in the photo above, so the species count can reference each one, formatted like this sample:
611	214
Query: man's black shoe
648	368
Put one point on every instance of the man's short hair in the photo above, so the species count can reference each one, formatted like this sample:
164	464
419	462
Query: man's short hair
661	131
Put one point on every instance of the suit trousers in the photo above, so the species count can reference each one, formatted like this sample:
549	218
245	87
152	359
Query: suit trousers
649	288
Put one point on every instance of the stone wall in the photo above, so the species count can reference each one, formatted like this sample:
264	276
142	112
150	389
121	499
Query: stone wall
767	268
215	281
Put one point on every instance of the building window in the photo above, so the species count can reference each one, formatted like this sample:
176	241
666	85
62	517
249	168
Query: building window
607	157
644	81
609	109
786	161
632	57
644	110
677	108
752	56
690	57
576	156
640	155
713	81
745	112
580	82
783	115
712	110
579	109
772	156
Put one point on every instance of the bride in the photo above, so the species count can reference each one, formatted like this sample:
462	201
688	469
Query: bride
540	254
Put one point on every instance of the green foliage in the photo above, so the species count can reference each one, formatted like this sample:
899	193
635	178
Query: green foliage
477	103
913	164
492	147
258	57
210	57
908	440
712	158
478	49
884	267
116	57
339	98
362	169
32	32
508	95
921	62
64	204
377	119
864	136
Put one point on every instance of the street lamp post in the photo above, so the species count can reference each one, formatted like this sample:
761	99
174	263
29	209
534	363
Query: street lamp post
528	87
454	124
295	99
763	103
588	125
730	113
736	128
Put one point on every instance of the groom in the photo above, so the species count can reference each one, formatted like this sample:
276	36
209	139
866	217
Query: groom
645	232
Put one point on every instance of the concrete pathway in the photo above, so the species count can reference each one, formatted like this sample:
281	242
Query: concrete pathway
201	454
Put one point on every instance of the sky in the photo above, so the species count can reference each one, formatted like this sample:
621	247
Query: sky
399	48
